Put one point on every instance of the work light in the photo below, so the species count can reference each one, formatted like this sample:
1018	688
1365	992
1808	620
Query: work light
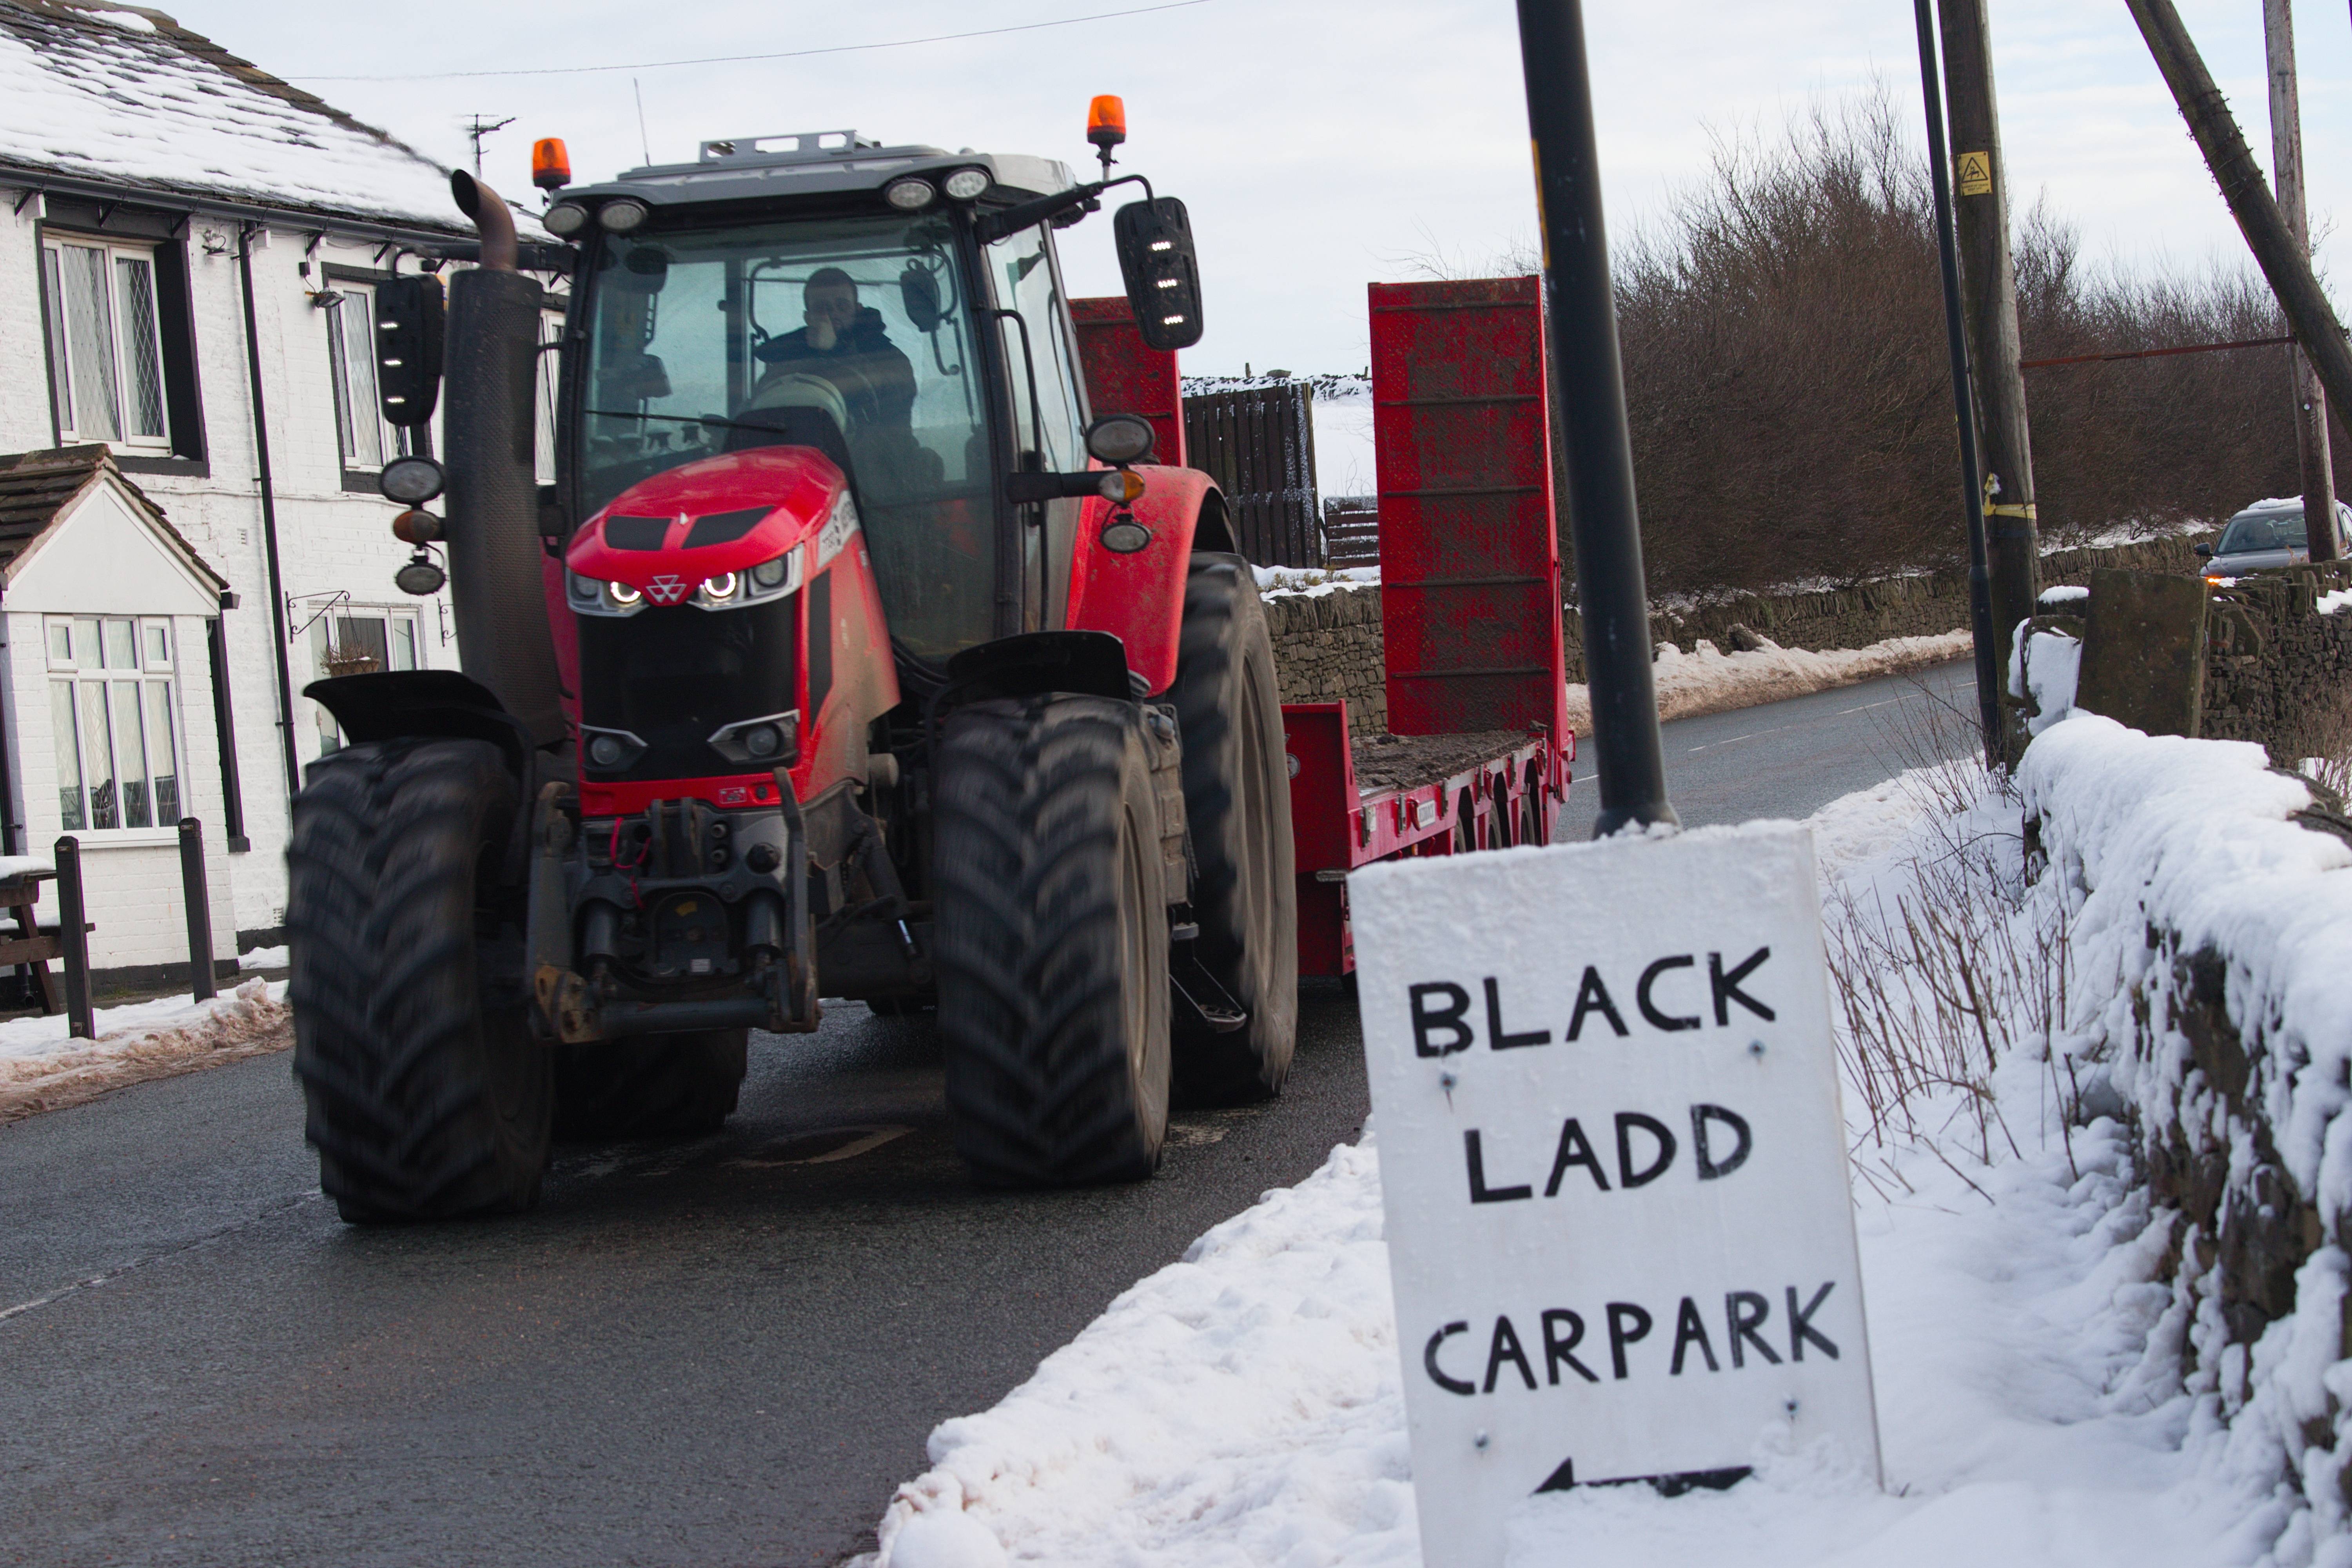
963	185
910	194
620	216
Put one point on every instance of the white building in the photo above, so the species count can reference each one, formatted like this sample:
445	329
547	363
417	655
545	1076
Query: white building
188	250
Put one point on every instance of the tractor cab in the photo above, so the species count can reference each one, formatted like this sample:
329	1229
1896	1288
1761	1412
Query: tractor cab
869	303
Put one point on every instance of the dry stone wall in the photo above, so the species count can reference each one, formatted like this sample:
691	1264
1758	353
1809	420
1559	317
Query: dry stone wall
1326	645
2276	670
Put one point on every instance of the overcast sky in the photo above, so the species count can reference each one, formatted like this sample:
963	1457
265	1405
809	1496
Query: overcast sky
1318	145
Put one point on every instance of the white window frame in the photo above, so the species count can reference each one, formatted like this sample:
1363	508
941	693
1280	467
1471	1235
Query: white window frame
353	378
91	677
320	635
550	332
65	367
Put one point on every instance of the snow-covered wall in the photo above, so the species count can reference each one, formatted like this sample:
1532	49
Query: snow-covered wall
2211	934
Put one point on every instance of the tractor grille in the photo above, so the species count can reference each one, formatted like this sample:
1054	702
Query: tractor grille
671	677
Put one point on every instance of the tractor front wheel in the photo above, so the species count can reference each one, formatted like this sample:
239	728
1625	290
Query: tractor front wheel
427	1096
1237	806
1051	941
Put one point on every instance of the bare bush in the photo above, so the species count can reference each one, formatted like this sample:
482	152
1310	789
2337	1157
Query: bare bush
1947	966
1786	384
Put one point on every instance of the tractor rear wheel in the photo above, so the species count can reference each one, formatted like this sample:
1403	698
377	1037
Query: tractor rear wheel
1051	941
663	1085
1237	807
427	1096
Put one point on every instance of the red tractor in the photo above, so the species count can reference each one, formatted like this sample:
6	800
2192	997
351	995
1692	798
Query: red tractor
849	655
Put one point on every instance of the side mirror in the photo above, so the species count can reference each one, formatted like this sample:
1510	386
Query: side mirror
1163	274
408	317
1120	439
2205	550
919	296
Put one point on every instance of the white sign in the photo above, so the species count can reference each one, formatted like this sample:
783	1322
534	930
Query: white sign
1613	1167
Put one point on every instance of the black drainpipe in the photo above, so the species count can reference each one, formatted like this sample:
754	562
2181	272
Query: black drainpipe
268	513
8	828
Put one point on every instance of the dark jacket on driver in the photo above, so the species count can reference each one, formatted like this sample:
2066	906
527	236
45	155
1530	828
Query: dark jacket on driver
875	380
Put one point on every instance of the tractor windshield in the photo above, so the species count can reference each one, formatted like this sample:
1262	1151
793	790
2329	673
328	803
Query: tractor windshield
851	335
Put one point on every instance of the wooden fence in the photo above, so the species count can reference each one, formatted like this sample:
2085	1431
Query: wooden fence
1259	445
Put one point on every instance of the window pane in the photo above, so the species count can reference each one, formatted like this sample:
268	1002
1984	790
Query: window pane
330	738
60	382
550	329
85	643
61	717
60	642
96	758
159	645
130	756
162	752
121	645
349	336
361	647
90	343
142	366
404	644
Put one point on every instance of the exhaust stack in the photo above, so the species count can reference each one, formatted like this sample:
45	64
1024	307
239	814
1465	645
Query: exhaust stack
496	586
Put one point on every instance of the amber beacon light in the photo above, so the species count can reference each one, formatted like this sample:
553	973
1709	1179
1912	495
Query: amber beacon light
1106	125
551	163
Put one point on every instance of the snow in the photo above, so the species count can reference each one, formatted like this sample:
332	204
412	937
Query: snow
264	958
124	99
2335	599
1344	457
1313	583
1244	1407
1708	681
2062	594
42	1069
17	865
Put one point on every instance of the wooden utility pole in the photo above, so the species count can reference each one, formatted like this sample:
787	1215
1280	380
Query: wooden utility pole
1989	291
2286	167
2287	266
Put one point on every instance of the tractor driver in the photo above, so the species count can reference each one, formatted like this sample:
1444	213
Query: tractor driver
848	344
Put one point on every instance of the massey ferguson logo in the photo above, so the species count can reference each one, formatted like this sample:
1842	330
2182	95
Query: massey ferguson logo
667	590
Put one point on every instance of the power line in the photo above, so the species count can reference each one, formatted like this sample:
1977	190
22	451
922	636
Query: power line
786	55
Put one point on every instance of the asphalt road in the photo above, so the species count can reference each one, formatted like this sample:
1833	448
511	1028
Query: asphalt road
720	1353
1789	759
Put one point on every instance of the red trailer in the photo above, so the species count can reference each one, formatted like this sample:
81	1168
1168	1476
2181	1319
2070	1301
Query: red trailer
1470	607
1480	751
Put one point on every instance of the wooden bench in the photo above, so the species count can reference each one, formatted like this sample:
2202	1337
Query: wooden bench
31	947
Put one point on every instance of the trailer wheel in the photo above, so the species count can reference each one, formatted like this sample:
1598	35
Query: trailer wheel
427	1096
1051	941
1237	807
663	1085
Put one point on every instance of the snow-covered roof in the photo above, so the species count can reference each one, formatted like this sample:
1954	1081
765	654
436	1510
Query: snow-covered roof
125	95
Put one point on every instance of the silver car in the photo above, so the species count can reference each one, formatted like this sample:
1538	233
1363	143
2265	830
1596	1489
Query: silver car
2267	535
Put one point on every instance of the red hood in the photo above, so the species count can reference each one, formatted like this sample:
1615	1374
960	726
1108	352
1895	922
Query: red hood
796	487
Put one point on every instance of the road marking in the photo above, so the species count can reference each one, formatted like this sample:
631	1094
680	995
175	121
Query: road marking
62	1291
869	1139
1868	706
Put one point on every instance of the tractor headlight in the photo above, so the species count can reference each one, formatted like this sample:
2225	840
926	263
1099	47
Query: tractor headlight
771	579
910	194
594	596
966	184
565	218
763	741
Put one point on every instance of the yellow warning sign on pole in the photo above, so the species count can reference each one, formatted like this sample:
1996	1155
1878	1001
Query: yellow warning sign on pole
1975	175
